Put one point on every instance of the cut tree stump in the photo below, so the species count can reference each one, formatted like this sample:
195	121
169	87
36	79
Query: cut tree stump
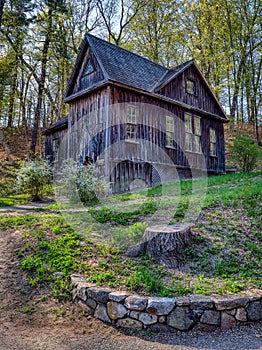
164	243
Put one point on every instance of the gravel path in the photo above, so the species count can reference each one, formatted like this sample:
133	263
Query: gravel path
27	322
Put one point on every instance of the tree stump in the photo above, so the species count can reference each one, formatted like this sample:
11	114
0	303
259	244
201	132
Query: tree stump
164	243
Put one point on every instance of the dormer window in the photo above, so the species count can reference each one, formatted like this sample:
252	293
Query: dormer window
89	68
191	87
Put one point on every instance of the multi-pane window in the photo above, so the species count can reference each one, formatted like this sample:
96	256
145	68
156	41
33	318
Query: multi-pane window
189	133
131	123
192	133
197	134
191	87
55	145
213	142
170	131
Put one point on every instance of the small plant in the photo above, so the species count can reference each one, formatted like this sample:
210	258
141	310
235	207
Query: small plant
246	152
33	176
80	182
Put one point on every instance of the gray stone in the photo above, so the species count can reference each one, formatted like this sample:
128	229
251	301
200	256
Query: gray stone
147	319
81	292
161	328
134	314
182	301
241	314
227	321
162	319
116	310
181	318
99	294
211	317
201	302
160	306
91	303
118	296
136	303
254	311
197	313
129	323
101	314
76	279
225	303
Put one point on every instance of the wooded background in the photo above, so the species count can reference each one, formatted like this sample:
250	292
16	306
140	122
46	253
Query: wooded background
39	41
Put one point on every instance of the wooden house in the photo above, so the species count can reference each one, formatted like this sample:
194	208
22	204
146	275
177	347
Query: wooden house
136	119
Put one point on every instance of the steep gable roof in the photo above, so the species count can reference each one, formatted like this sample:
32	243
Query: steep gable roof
125	67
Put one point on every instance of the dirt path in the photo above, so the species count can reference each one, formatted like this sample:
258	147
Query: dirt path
27	322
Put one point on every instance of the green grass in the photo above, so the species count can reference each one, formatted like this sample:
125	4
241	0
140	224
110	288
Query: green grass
226	256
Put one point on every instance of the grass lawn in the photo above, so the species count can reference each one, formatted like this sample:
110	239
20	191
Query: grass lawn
226	256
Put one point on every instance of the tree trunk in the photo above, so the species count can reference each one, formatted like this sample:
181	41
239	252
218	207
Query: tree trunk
6	147
164	243
41	85
2	2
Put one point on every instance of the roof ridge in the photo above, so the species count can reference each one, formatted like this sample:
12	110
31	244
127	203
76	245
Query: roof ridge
126	50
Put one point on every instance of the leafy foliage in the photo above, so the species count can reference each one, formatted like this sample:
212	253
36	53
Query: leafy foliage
246	152
81	182
33	176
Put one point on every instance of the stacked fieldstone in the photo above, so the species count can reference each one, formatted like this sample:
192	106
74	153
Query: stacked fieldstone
160	314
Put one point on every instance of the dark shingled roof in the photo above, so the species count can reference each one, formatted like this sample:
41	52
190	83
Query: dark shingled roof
125	67
61	123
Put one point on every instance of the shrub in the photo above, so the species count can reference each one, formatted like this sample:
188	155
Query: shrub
80	182
32	177
245	152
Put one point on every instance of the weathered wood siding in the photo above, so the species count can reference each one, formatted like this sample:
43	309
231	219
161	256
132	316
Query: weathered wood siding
203	99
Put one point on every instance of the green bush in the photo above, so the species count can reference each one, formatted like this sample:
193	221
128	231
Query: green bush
246	153
79	182
33	176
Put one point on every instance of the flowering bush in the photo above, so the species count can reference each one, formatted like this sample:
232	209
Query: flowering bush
82	182
32	177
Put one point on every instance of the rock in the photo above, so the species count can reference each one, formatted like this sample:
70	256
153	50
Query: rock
81	292
134	314
162	319
129	323
101	295
101	314
254	311
181	318
91	303
224	303
147	319
211	317
88	310
76	279
160	306
182	301
201	302
241	314
161	328
116	310
118	296
136	303
227	321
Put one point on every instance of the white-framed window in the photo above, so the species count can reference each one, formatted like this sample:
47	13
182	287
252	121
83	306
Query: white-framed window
192	133
131	123
213	142
188	132
197	134
191	87
170	131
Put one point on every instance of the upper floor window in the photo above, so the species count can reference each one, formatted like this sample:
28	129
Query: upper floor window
131	123
170	131
213	142
191	86
192	133
89	68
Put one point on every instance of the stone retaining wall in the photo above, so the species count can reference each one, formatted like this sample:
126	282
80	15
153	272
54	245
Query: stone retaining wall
161	314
